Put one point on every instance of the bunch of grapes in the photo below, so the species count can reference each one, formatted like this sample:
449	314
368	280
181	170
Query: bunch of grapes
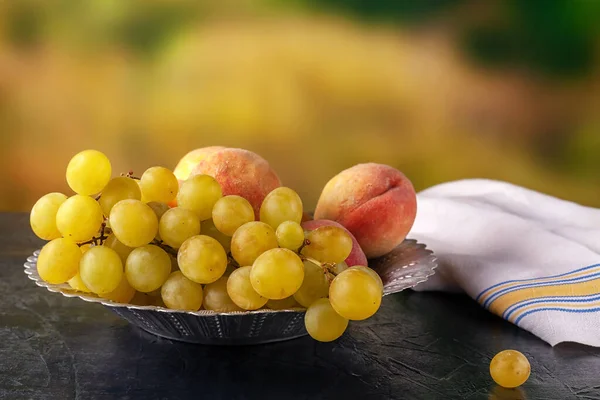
125	240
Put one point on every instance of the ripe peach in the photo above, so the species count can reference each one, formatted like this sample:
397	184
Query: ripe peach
240	172
376	202
190	160
356	257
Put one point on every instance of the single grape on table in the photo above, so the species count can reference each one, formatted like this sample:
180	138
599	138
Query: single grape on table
510	369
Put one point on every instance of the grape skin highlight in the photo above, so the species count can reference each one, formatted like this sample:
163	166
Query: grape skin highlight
43	216
88	172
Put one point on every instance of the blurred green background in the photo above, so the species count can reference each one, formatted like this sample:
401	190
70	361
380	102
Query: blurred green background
441	89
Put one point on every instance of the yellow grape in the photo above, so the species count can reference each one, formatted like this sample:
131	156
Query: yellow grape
159	184
122	250
178	225
143	198
339	267
79	218
216	297
328	244
43	216
77	284
101	269
88	172
241	292
371	272
251	240
290	235
231	212
58	261
323	323
122	294
284	304
281	204
133	223
159	208
147	268
202	259
179	293
355	294
277	274
208	228
510	368
120	188
199	194
314	286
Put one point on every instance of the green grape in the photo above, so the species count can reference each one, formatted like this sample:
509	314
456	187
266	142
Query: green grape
88	172
178	225
43	216
281	204
231	212
159	208
371	272
179	293
328	244
143	198
241	292
209	229
323	323
58	261
77	284
250	241
101	269
133	223
339	268
199	194
159	184
202	259
277	274
216	297
122	250
284	304
79	218
314	286
510	369
120	188
147	268
290	235
355	294
122	294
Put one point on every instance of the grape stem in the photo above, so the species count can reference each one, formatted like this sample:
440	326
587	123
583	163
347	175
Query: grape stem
327	267
130	175
97	240
165	247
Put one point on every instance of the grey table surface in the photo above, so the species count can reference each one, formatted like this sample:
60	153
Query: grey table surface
418	346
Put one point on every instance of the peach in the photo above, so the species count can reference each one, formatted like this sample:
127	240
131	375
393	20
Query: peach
356	257
376	202
240	172
190	160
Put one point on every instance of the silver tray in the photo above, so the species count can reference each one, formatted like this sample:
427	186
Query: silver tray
404	267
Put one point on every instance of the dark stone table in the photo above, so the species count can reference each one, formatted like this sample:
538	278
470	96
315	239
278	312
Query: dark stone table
418	346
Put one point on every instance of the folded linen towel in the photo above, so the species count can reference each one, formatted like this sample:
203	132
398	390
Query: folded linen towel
530	258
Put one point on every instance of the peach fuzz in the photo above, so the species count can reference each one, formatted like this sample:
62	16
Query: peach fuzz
240	172
356	257
376	202
190	160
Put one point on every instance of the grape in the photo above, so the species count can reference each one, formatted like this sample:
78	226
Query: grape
159	184
122	294
122	250
133	223
277	274
510	369
85	247
79	218
284	304
241	292
323	323
147	268
88	172
339	268
314	286
216	297
281	204
199	194
43	216
143	198
177	225
371	272
202	259
159	208
251	240
355	294
209	229
231	212
58	261
328	244
77	284
120	188
101	269
290	235
179	293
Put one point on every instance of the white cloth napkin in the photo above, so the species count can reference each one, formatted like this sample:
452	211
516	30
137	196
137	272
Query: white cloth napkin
530	258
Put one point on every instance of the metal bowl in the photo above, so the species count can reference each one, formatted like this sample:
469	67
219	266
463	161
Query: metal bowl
404	267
